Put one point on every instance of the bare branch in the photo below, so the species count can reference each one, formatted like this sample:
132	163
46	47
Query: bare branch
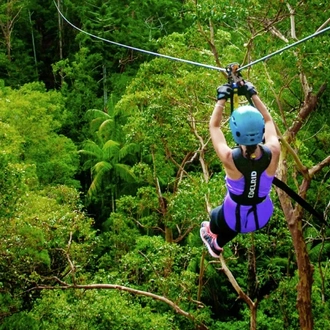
318	167
323	25
272	29
211	43
302	169
292	21
201	149
170	303
304	84
308	107
148	227
71	264
234	283
187	231
252	305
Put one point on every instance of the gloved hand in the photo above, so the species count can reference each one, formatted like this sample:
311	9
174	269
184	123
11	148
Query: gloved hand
247	89
224	92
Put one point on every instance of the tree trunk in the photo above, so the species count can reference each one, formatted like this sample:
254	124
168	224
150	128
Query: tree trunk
60	31
13	10
105	90
168	235
163	211
33	44
60	38
253	316
305	272
294	215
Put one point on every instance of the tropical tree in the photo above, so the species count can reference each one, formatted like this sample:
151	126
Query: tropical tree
38	215
107	161
168	119
20	40
10	14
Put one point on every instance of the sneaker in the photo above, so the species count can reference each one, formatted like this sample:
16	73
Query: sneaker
210	240
206	225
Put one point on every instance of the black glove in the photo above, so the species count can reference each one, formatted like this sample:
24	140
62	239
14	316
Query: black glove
247	89
224	92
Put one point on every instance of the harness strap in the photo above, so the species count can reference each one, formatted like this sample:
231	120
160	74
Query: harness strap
253	209
238	218
251	170
255	214
280	184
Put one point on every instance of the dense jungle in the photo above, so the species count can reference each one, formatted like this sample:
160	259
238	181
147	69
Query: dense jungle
107	168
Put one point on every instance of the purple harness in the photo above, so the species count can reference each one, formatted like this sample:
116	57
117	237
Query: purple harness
247	205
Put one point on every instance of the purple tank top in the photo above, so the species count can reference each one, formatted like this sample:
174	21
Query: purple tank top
264	209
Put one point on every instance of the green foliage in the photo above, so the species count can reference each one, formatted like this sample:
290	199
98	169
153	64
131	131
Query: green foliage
163	268
11	142
95	310
79	86
169	110
118	238
148	122
278	310
35	239
36	116
12	178
97	69
16	63
58	162
22	320
187	206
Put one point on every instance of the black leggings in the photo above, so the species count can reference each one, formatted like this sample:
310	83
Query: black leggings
219	227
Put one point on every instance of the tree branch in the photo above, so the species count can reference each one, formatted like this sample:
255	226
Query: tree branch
252	305
323	25
187	231
201	149
309	106
234	283
211	43
269	26
318	167
292	21
174	306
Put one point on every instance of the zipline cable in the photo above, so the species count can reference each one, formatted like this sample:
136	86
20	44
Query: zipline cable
187	61
138	49
284	48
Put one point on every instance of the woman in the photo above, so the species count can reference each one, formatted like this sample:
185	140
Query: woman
249	168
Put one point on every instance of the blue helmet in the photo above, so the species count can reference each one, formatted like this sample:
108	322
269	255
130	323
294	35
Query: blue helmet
247	125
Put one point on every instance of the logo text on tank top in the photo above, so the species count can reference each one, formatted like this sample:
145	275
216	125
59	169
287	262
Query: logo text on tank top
253	184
